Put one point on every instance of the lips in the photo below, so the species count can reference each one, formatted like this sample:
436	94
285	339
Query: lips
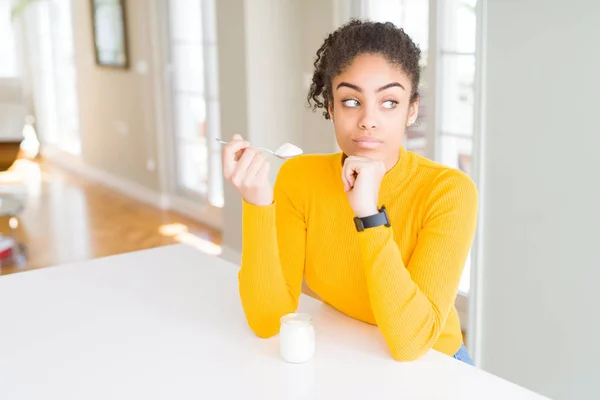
367	143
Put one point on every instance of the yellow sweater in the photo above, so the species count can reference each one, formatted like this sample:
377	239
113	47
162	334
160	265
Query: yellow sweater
403	278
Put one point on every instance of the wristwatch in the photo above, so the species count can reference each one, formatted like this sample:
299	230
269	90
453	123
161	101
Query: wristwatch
379	219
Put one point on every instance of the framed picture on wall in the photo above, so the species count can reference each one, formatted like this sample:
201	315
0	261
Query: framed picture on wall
110	33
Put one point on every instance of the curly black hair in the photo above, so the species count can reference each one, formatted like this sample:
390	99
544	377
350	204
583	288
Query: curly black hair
353	39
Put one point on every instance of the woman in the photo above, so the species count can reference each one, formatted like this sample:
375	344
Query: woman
377	232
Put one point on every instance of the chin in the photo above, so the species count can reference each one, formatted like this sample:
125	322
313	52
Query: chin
366	153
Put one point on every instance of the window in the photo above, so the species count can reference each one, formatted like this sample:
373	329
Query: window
413	17
457	92
8	51
54	71
457	66
195	99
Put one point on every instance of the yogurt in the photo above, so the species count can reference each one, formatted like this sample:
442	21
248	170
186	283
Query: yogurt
296	338
288	150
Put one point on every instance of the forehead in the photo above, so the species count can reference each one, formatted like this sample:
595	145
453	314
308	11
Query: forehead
372	71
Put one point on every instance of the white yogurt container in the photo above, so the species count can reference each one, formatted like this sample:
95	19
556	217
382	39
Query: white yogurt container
296	338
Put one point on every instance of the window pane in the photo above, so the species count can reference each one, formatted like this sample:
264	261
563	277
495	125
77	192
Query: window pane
64	59
456	152
416	23
416	142
189	67
8	54
44	66
386	10
416	137
190	123
195	94
186	21
411	15
465	279
209	21
212	72
459	26
457	94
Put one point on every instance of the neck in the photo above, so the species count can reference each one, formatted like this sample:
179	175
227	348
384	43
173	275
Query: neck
391	161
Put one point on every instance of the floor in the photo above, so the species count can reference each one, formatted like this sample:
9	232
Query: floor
67	218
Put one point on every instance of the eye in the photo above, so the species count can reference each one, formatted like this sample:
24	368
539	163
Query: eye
390	104
350	103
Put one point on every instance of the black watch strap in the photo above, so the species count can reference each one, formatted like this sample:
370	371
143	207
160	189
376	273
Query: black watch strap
379	219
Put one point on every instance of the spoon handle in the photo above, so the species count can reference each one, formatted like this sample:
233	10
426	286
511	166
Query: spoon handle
254	147
263	149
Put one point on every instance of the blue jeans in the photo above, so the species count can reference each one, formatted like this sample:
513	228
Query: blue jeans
463	355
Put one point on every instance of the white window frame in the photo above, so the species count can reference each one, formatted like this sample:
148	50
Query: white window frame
183	201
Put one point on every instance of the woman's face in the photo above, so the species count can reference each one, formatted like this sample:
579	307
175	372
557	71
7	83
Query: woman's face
371	108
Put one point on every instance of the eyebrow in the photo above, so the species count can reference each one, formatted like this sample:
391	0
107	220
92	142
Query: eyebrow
359	89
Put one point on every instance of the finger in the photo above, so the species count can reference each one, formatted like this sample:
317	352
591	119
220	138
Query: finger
351	173
257	162
349	181
348	175
241	167
263	172
236	144
238	154
344	180
229	155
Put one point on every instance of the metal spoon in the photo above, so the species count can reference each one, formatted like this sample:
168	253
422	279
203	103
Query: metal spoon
285	151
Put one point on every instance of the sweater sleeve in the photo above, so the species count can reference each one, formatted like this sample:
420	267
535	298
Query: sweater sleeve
273	254
412	302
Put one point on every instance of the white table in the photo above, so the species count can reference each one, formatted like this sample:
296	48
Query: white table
167	324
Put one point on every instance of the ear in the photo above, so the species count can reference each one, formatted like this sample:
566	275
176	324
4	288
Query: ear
413	112
330	111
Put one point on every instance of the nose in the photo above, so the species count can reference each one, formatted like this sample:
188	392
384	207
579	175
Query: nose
368	120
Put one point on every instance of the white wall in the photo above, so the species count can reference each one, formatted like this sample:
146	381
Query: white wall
233	93
541	196
117	123
274	72
319	19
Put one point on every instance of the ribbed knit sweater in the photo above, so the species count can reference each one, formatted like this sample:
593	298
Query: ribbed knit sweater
403	278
